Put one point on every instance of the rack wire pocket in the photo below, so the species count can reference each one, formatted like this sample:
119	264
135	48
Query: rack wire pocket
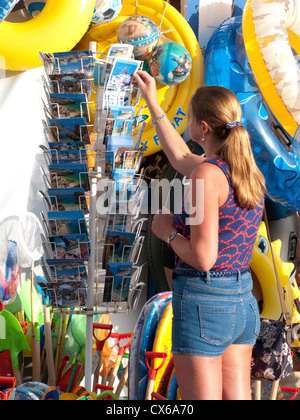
70	246
59	63
69	130
66	282
67	176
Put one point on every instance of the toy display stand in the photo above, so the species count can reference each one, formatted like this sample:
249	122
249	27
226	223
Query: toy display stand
103	295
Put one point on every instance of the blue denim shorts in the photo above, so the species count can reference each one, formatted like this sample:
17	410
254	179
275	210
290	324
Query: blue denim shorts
212	310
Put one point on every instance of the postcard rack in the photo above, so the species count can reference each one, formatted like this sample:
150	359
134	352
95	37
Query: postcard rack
93	139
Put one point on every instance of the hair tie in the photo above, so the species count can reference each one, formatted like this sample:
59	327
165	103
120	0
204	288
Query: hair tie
234	124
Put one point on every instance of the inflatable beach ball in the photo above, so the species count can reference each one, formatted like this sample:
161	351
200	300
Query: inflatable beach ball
34	7
106	11
170	63
141	32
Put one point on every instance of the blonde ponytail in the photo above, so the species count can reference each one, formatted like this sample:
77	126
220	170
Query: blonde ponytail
218	107
247	180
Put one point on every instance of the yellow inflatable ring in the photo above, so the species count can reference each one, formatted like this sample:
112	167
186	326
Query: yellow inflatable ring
262	269
173	99
265	31
58	27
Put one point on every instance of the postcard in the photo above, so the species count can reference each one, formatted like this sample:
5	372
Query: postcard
69	105
119	153
64	295
70	246
70	83
69	129
67	222
118	88
68	199
66	282
123	176
117	282
123	51
118	222
117	247
67	270
74	62
68	156
69	175
120	199
120	120
103	68
67	145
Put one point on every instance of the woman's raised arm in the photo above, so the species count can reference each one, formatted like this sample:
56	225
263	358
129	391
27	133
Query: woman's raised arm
175	148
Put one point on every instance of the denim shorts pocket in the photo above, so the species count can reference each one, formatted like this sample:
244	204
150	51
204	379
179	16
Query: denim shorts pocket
217	323
254	307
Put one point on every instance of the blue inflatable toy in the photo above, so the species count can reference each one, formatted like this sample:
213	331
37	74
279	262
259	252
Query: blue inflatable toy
276	152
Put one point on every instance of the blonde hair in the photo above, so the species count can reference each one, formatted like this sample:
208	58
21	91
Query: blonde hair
218	106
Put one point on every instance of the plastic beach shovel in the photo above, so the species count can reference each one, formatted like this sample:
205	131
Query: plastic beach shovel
78	329
153	372
6	368
108	358
13	340
99	347
32	303
8	384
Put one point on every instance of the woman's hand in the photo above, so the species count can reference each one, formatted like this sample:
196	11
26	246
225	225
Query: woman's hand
147	87
163	224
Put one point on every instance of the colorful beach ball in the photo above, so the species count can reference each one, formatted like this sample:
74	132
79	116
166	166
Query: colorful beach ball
106	11
34	7
141	32
170	63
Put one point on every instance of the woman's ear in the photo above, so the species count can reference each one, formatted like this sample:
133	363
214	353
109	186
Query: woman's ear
204	127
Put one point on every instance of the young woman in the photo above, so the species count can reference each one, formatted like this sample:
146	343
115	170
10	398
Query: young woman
215	316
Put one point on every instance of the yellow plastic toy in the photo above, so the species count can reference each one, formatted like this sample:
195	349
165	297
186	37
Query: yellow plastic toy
271	31
263	270
163	343
59	27
173	99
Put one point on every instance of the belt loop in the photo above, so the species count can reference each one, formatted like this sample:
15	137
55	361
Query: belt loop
207	277
239	275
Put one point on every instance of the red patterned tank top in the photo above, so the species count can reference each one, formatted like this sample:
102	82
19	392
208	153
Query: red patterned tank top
237	230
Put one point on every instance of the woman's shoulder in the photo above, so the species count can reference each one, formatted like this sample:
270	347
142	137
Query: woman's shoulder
216	181
211	167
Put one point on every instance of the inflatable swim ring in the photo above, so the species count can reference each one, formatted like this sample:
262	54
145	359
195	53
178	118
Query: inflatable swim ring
265	25
59	26
173	99
227	64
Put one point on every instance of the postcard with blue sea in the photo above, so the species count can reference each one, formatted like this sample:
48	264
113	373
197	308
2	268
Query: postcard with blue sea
67	222
74	62
69	105
69	175
68	199
69	129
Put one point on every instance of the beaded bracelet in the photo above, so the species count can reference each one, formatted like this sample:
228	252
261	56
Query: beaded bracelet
154	123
